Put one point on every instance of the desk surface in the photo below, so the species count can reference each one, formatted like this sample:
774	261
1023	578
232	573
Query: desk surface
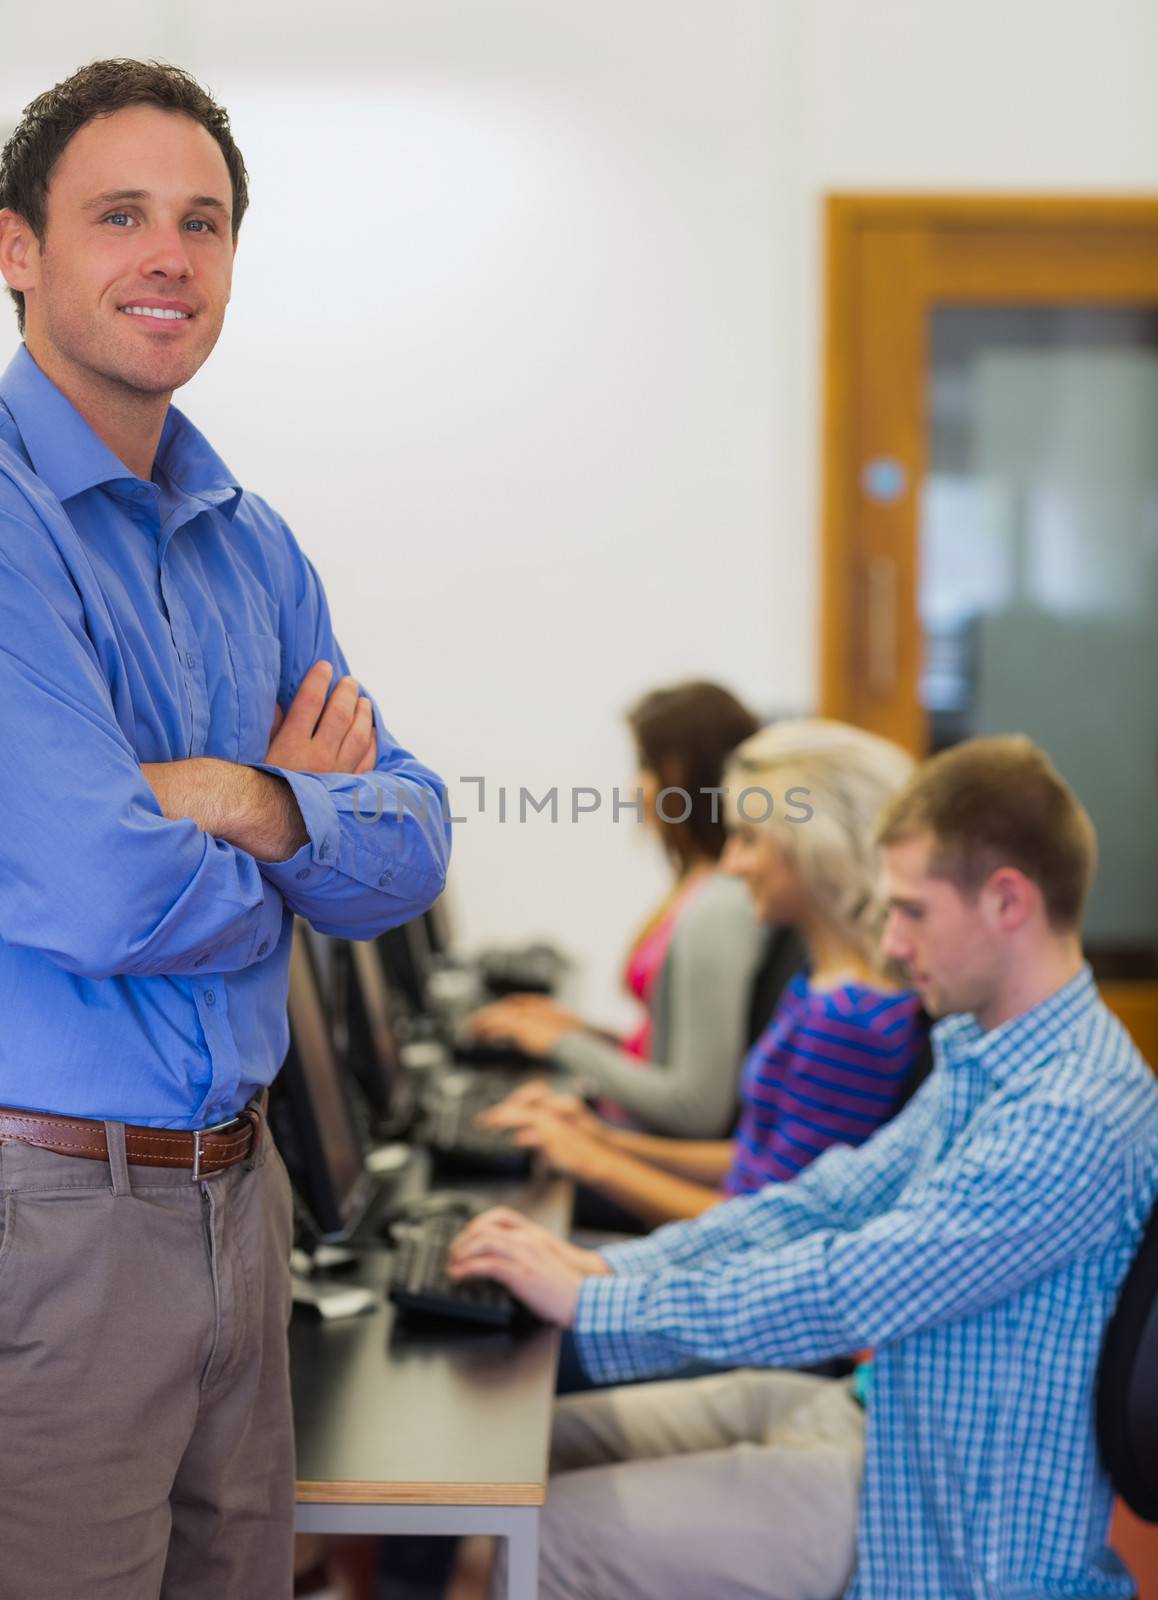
391	1414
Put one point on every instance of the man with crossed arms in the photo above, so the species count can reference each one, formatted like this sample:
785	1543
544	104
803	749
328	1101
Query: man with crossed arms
156	621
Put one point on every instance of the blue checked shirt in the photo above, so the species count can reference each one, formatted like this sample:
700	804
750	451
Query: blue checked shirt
143	963
978	1242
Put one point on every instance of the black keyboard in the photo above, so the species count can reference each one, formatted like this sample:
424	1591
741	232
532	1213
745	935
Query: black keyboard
447	1129
418	1280
493	1053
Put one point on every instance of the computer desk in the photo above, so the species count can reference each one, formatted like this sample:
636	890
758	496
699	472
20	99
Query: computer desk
402	1429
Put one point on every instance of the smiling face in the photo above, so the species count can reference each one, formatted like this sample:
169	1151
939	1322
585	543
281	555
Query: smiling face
754	854
138	223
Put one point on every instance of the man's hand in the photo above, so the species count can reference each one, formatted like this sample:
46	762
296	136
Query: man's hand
256	811
320	735
544	1272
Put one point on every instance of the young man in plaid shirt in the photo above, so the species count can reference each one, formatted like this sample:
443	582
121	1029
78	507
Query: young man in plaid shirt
977	1243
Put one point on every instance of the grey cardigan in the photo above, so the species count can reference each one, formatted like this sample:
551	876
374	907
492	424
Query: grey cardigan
699	1023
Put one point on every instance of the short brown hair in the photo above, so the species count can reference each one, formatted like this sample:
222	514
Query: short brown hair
684	734
1000	802
97	90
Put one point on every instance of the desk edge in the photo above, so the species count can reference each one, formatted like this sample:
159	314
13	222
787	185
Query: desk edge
362	1492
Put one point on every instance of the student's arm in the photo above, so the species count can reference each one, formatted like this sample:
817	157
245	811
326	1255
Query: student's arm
1038	1188
93	874
702	1161
649	1193
706	983
841	1189
379	841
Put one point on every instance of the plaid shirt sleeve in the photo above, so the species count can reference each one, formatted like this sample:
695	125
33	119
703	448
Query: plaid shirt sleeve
1039	1187
841	1188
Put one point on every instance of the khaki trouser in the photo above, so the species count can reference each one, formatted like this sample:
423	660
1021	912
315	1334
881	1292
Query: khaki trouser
146	1443
741	1486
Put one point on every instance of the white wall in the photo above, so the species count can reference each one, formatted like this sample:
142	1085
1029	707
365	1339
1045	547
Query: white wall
525	338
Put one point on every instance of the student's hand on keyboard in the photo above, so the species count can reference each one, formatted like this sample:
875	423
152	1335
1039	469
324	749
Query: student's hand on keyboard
544	1272
567	1149
534	1024
531	1101
588	1262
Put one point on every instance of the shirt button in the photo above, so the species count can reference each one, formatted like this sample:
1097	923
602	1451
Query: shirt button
384	879
263	947
303	872
210	998
201	961
324	849
190	659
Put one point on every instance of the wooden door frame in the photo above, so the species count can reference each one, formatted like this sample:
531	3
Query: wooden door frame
1074	263
942	249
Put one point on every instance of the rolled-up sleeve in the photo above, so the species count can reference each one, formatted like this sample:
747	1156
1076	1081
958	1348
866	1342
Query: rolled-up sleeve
93	875
1037	1189
379	842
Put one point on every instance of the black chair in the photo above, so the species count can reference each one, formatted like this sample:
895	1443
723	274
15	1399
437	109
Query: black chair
782	959
922	1067
1127	1401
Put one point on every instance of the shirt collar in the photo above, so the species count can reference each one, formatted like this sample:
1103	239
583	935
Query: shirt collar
69	457
1022	1041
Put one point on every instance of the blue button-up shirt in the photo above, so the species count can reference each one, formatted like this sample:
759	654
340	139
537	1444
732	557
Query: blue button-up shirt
978	1242
143	963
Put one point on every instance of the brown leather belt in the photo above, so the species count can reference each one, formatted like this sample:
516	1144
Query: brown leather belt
204	1150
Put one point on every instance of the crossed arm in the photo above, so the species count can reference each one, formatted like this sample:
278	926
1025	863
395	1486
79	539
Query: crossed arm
256	811
176	868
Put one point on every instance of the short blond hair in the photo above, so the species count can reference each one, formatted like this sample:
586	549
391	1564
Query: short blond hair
1000	802
842	777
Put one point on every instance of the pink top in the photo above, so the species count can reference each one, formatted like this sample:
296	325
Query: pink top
644	963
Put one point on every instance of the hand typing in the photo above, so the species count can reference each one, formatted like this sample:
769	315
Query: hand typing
544	1272
535	1025
525	1105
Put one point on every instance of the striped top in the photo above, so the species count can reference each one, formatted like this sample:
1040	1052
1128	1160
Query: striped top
829	1069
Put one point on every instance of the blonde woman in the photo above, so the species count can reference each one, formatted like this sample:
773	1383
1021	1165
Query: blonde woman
844	1041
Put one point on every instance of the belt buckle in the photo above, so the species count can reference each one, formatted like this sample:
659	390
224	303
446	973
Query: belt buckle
216	1127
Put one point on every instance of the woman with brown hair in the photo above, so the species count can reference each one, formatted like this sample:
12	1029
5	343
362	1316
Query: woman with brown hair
692	962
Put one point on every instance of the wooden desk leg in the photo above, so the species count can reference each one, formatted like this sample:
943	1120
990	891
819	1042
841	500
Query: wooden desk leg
523	1553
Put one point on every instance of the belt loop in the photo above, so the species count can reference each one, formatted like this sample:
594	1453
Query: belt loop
256	1112
118	1160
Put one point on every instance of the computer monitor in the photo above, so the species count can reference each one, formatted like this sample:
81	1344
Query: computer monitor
440	928
309	1112
371	1054
408	962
